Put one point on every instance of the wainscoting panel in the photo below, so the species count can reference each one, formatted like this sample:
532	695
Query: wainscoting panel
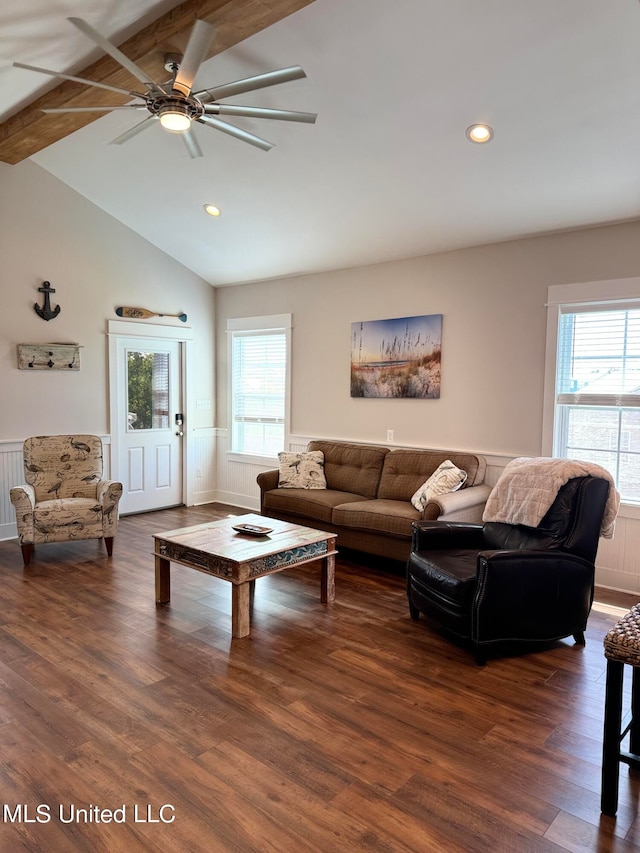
11	474
618	562
236	481
202	449
218	478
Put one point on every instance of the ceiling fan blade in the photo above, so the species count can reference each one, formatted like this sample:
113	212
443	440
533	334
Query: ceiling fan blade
75	79
94	109
116	54
194	54
235	131
258	112
250	84
134	131
192	144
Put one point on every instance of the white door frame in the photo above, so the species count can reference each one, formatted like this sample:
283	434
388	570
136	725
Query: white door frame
117	329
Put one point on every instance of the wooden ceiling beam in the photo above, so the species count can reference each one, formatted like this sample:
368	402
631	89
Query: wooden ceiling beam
30	130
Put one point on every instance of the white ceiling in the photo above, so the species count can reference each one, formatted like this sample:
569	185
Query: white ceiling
386	172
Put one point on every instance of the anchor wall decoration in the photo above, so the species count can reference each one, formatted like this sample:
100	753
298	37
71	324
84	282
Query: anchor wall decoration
45	310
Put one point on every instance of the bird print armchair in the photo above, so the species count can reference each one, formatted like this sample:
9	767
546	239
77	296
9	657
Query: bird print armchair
65	496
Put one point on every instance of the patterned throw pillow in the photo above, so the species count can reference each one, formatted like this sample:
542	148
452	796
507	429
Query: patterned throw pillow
446	478
302	470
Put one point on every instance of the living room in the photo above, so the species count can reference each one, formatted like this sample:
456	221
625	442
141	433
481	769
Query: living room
494	401
492	299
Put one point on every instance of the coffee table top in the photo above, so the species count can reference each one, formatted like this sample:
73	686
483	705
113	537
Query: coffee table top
219	537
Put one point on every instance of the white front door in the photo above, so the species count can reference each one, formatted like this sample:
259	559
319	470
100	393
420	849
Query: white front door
149	424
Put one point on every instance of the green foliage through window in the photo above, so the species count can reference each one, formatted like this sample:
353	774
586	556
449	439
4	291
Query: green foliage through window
140	389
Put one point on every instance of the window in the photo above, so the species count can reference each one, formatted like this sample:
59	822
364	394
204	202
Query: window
259	384
596	394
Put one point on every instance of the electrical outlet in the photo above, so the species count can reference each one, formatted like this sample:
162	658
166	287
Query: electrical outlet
390	435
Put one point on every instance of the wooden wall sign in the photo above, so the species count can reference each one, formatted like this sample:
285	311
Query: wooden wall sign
49	356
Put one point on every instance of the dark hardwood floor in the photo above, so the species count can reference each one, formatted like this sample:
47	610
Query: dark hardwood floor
331	728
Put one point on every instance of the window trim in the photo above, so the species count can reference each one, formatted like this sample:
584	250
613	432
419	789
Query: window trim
614	292
268	322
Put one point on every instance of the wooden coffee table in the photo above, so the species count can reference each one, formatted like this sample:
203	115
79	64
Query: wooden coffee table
215	548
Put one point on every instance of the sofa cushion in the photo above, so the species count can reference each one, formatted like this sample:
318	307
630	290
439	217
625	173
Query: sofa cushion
392	518
314	504
446	478
404	471
301	470
352	468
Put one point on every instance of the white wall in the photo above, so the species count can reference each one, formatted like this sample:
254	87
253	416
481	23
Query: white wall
50	233
493	340
493	349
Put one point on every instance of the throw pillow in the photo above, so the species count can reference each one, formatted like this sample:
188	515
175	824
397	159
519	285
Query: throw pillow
446	478
302	470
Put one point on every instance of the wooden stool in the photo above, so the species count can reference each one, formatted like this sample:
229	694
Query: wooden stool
621	646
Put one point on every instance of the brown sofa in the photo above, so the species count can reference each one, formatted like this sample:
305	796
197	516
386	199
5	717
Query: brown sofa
367	501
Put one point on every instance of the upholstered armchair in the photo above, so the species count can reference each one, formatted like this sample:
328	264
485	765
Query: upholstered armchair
65	497
498	584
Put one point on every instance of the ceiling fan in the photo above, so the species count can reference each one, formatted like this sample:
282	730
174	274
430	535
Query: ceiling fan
174	104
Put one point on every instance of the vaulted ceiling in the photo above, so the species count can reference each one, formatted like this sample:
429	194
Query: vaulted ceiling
386	172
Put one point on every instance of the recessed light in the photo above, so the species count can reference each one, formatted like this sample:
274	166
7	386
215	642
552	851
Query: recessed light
479	133
211	209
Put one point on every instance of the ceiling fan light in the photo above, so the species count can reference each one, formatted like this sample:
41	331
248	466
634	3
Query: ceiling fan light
175	119
211	209
479	133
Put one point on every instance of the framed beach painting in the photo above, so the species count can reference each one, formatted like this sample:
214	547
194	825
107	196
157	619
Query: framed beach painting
397	358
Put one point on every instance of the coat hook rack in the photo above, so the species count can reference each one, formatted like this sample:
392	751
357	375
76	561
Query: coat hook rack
49	356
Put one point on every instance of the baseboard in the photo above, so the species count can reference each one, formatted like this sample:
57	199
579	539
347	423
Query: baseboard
242	501
616	580
206	497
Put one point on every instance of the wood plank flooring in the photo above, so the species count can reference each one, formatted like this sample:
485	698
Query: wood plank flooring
343	727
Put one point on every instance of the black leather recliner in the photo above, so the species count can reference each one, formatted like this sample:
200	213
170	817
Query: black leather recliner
496	584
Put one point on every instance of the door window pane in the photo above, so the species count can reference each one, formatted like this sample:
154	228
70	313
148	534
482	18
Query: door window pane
147	390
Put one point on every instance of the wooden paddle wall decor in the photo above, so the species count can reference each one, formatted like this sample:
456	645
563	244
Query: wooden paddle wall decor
144	313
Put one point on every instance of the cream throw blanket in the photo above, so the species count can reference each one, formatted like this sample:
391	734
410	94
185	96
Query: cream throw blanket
528	486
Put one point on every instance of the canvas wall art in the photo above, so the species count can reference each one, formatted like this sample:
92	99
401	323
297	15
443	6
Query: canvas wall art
397	358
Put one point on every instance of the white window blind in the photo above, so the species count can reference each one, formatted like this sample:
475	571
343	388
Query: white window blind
258	377
599	357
